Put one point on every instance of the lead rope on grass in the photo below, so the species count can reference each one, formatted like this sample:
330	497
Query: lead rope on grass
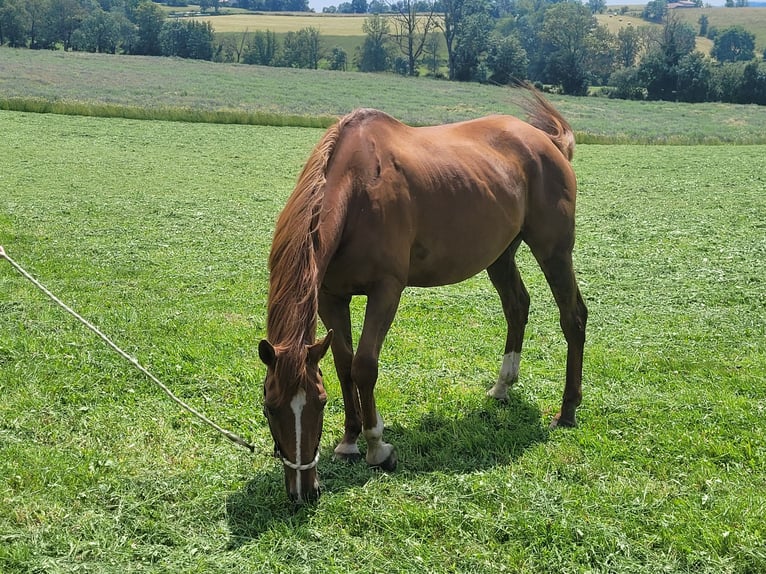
230	435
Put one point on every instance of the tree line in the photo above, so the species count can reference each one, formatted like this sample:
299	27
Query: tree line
138	27
555	43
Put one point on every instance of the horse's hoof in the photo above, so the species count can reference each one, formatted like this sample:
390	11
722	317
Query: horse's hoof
499	393
347	457
389	465
347	453
559	421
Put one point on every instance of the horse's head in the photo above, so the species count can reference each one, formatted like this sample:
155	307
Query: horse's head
293	402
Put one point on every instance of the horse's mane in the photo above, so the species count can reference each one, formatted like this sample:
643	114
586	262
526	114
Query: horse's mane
545	117
293	282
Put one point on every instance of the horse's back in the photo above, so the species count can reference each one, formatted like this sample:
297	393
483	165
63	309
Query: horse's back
436	205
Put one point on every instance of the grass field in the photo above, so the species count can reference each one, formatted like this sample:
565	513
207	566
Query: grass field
329	24
615	22
182	89
158	232
752	19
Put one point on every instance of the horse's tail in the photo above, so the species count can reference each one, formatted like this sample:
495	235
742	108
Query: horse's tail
545	117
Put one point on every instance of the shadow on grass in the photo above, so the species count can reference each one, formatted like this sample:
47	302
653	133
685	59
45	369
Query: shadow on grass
492	434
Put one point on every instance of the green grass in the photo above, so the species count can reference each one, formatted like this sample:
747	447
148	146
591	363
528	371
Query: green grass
178	89
158	232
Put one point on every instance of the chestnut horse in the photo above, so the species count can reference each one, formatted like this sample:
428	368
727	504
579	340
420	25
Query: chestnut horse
380	206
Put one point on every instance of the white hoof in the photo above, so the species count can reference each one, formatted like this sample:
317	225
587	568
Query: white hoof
499	392
348	452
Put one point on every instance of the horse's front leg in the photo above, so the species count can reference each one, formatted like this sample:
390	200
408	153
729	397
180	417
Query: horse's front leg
382	303
335	314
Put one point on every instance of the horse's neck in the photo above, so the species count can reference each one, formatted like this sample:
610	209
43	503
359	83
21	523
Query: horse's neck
331	225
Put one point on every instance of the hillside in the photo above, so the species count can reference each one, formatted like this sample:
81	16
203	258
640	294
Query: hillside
149	83
752	19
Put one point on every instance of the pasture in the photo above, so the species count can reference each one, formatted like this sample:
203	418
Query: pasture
158	232
157	88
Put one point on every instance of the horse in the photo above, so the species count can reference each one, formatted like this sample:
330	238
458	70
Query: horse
380	206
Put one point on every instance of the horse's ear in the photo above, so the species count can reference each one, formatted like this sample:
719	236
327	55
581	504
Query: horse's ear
267	353
319	349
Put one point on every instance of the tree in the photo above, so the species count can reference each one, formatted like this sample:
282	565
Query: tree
264	49
241	46
659	68
301	49
628	46
734	44
597	6
693	78
507	60
704	23
149	18
374	55
205	5
655	10
754	83
528	24
626	84
38	12
377	7
99	32
601	54
431	51
412	26
338	59
566	28
451	16
187	39
14	23
472	25
66	16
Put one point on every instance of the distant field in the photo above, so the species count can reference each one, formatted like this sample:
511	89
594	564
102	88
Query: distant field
160	83
330	24
615	22
752	19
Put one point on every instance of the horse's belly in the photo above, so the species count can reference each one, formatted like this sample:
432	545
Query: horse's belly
429	271
457	253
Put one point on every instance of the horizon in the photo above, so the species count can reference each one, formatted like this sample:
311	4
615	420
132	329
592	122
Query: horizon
318	5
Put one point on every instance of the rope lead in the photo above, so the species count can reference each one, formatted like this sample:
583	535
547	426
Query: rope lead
228	434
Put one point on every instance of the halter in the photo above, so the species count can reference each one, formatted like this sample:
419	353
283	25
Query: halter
298	467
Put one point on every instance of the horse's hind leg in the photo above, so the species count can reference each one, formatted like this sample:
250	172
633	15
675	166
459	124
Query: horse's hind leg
513	295
573	315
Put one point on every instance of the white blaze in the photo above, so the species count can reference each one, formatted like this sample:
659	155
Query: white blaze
297	404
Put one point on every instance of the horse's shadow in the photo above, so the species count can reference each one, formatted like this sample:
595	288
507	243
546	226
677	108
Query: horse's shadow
490	435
